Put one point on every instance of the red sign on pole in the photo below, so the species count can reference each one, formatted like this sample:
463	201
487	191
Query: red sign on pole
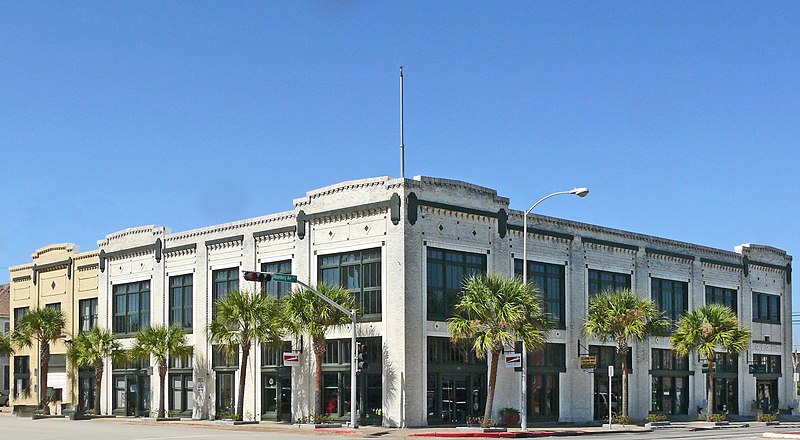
513	360
291	359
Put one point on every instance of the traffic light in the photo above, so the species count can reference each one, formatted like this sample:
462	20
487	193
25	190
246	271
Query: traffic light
257	276
362	356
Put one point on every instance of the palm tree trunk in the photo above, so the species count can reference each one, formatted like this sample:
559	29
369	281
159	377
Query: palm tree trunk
162	376
710	394
242	378
624	359
98	382
487	413
45	362
319	353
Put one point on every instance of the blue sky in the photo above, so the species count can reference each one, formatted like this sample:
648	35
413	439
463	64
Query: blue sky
682	117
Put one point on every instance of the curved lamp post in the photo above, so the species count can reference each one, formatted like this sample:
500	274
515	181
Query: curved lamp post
580	192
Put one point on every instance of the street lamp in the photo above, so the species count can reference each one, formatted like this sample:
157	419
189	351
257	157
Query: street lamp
580	192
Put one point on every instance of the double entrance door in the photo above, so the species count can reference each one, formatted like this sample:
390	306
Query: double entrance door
453	399
132	395
767	395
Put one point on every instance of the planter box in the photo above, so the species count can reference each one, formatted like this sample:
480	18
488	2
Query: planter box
77	416
161	419
51	416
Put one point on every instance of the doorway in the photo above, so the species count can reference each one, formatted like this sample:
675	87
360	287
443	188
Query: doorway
767	395
603	398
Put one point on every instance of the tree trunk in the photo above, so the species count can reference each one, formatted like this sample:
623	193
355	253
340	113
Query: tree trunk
487	413
162	376
45	362
319	353
710	392
242	379
98	382
624	360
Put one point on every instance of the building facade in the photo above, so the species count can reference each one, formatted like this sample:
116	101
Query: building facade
5	327
403	247
58	277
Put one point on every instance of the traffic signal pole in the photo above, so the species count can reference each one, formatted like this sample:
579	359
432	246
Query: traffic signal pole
353	345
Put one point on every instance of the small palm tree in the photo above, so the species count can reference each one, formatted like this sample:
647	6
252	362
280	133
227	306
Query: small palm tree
44	325
308	313
706	329
494	312
6	348
91	349
241	320
160	342
623	316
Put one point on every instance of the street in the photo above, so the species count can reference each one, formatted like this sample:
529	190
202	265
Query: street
14	428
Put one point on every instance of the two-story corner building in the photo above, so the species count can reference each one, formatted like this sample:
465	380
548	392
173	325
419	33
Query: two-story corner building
403	247
5	327
59	277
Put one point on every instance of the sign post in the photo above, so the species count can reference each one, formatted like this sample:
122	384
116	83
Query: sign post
610	375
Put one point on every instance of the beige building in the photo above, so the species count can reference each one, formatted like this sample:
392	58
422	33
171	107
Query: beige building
4	328
60	277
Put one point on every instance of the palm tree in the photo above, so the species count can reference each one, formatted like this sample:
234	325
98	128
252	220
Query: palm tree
622	316
44	325
90	349
308	313
494	312
160	342
6	349
704	330
241	320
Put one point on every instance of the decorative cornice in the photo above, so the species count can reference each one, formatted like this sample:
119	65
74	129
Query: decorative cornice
281	217
392	205
226	240
155	248
610	244
86	267
542	232
413	203
191	247
22	278
65	247
341	187
286	230
52	266
722	264
670	254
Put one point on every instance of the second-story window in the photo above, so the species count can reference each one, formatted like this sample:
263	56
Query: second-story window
224	281
722	296
766	308
445	280
19	312
131	307
360	273
87	314
550	280
180	301
604	281
671	297
277	289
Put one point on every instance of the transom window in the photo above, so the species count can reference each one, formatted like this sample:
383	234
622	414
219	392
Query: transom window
550	280
87	314
671	297
276	289
667	360
180	301
360	273
131	307
604	281
766	308
722	296
444	351
772	361
447	271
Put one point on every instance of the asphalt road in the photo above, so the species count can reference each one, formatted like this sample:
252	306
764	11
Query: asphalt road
14	428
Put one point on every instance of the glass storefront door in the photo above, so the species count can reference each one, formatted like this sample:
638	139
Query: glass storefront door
603	398
225	389
767	395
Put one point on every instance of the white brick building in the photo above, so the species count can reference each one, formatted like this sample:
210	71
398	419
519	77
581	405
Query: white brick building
401	246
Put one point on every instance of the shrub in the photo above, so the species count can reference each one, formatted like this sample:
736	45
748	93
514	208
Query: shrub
718	417
654	418
621	420
768	417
